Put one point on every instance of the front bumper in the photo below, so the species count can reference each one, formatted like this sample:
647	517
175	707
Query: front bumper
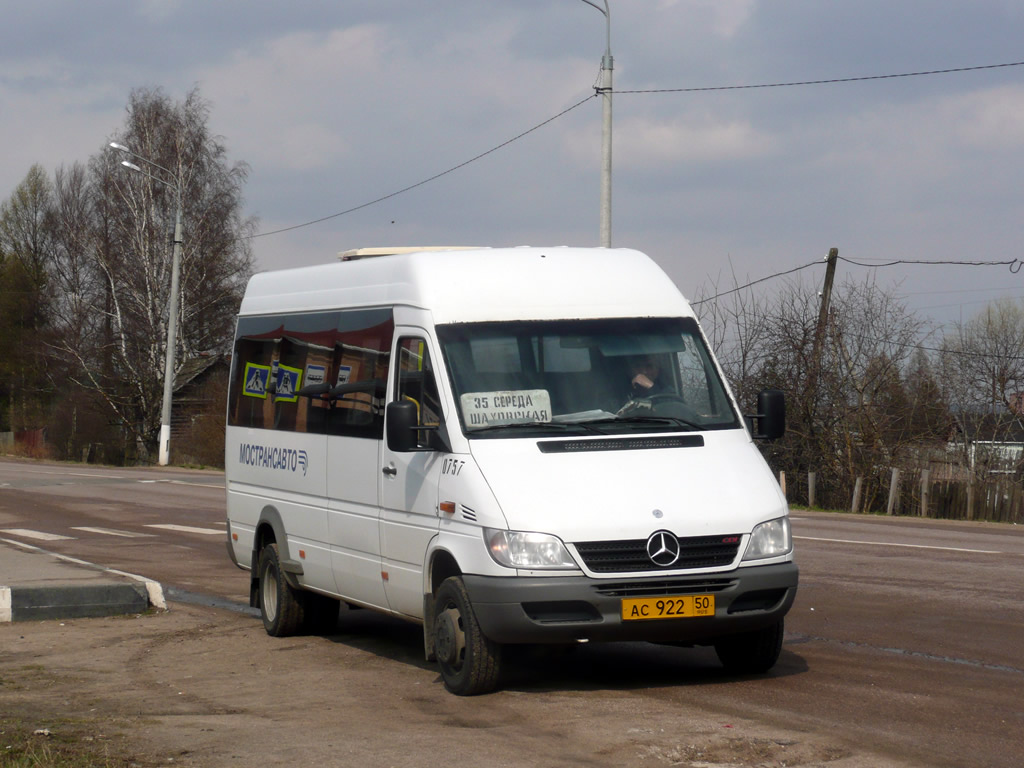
577	608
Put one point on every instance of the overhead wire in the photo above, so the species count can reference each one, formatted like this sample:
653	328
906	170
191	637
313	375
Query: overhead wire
829	81
432	178
739	288
1013	264
631	91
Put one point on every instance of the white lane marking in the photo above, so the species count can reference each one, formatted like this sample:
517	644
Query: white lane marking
188	529
908	546
197	485
61	473
183	482
26	533
113	532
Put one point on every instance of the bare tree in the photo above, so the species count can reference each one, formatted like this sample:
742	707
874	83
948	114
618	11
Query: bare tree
130	252
851	408
983	374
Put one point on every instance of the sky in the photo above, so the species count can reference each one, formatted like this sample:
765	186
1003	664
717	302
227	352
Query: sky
334	105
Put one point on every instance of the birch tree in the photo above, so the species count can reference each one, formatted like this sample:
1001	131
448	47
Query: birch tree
130	245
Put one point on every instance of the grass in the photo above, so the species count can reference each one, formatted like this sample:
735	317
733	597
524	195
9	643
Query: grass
60	745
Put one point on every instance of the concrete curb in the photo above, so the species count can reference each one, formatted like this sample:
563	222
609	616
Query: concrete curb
38	584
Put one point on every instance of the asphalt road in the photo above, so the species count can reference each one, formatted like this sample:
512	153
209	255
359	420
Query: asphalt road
906	638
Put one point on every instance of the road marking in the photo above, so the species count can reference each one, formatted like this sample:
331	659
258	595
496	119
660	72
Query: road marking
26	533
113	532
183	482
62	473
196	485
908	546
188	529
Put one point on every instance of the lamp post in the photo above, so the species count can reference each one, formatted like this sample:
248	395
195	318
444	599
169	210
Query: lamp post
605	89
172	320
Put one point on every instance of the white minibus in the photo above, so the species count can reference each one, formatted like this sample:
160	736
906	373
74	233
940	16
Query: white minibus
505	446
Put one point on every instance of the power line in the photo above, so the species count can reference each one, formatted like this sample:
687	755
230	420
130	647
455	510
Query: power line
825	82
1014	264
432	178
659	90
755	282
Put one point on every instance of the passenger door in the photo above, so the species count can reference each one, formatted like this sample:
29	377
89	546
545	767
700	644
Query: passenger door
409	481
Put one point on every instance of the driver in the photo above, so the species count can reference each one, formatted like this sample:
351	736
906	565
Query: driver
646	373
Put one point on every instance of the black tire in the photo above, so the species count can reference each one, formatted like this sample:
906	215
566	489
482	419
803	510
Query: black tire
320	613
751	653
470	662
281	606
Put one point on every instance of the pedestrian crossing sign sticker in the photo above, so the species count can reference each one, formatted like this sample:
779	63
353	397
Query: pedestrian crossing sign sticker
256	378
288	382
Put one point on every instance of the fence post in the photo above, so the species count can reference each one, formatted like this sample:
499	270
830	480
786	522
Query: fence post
811	477
782	481
925	491
893	491
858	488
970	498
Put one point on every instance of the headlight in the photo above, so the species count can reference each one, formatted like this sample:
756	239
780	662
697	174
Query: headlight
769	539
518	549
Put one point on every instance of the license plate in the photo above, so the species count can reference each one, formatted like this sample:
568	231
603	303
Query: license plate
679	607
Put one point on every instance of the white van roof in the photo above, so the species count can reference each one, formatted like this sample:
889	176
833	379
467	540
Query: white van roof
480	284
365	253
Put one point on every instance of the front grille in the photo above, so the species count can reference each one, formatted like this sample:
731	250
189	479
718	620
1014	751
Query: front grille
630	556
663	588
621	444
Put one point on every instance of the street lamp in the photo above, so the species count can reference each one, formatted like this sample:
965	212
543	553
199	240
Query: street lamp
605	89
172	321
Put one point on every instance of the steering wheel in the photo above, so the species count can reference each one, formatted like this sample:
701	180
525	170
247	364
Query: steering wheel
672	405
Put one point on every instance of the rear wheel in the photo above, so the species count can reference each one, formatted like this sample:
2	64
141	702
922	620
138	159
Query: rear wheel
470	662
751	652
280	604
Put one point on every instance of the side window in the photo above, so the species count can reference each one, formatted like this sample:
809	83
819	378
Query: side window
359	373
415	382
288	371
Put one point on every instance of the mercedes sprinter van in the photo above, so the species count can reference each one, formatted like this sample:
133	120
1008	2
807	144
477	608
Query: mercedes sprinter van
505	446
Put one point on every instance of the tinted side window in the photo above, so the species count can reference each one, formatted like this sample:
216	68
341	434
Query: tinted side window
319	372
416	383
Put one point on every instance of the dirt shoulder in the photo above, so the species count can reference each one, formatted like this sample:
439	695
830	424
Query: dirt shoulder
200	686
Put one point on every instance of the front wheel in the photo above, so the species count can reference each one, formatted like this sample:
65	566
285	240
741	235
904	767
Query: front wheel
470	662
751	652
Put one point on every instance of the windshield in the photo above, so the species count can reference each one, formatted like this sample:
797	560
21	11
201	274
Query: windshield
610	375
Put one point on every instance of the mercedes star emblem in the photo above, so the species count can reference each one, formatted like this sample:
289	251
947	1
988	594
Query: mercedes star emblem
663	548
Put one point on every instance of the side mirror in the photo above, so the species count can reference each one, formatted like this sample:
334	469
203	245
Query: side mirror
770	419
401	426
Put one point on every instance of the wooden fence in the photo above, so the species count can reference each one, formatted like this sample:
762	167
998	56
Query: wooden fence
922	493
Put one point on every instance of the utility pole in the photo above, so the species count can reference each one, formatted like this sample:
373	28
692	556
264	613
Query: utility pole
819	331
605	91
826	298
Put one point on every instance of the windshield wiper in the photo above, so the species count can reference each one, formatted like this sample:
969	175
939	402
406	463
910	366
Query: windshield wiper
557	426
648	420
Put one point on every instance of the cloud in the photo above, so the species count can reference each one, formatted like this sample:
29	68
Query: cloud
723	17
987	119
647	144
